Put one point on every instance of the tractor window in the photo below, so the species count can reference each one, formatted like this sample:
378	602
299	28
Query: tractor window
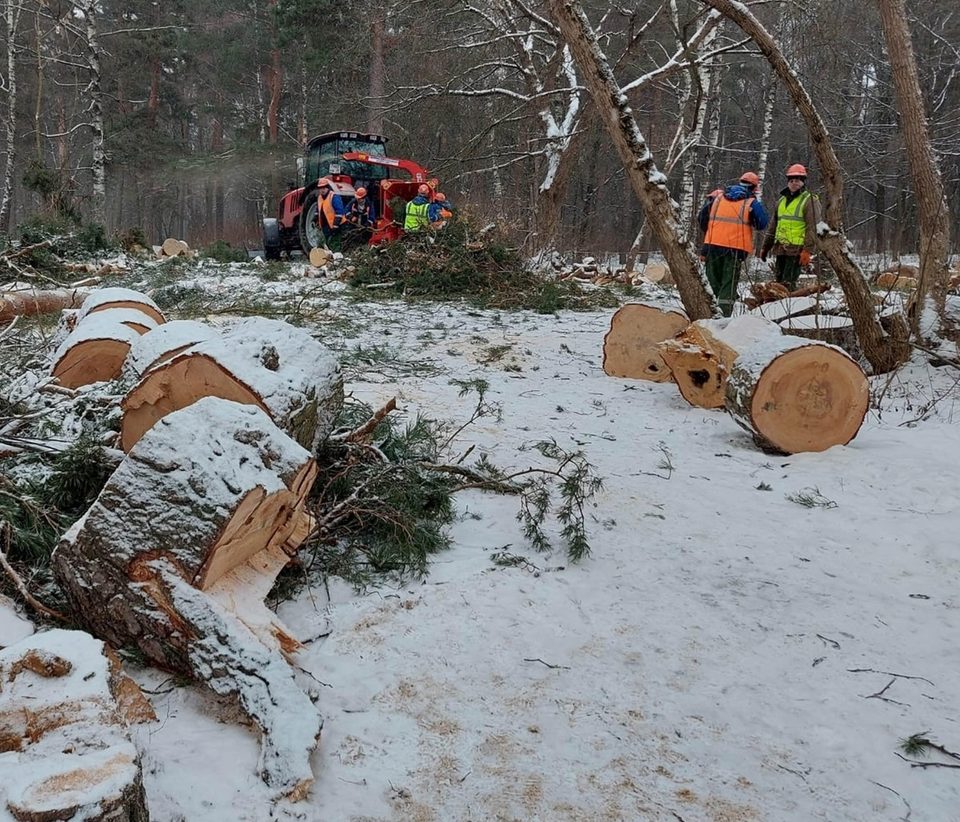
362	171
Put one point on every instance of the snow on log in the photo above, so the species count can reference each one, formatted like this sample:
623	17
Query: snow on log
827	328
702	355
180	547
781	309
630	346
162	343
175	248
27	303
104	298
65	748
797	395
98	345
267	363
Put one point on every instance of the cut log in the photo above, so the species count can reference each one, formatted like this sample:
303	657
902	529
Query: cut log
174	248
104	298
702	355
897	282
658	273
162	343
65	747
27	303
319	257
827	328
267	363
178	549
630	346
797	395
96	348
781	309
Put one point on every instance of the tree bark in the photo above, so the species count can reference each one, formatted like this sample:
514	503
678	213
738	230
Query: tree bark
13	48
377	71
95	91
884	353
647	181
932	211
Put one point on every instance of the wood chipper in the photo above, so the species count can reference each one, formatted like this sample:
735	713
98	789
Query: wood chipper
349	160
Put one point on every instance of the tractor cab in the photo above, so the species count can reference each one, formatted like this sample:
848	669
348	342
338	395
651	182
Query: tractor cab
349	160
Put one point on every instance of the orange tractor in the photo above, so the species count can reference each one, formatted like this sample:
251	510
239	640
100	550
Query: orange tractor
349	160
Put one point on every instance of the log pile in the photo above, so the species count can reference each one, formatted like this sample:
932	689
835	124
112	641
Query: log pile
65	745
172	247
630	346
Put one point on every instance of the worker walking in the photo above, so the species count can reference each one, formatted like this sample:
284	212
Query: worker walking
331	213
792	235
728	220
417	215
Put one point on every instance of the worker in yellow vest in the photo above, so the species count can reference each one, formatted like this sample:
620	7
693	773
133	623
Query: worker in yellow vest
728	219
792	235
417	215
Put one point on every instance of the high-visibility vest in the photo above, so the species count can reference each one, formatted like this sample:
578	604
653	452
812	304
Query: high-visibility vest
326	213
416	216
791	225
729	224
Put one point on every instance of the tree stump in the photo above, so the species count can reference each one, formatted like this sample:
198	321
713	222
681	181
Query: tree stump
267	363
702	355
319	257
827	328
65	751
630	346
177	552
797	395
162	343
98	345
105	298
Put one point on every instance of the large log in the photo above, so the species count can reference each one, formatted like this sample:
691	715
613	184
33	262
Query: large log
30	302
65	748
702	355
105	298
177	551
267	363
162	343
98	345
827	328
797	395
630	346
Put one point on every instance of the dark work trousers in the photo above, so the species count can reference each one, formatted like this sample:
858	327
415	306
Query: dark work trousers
723	273
788	270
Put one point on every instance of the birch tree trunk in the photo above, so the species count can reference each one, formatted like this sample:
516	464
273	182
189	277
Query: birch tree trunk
13	22
94	91
377	71
647	181
769	99
884	353
932	210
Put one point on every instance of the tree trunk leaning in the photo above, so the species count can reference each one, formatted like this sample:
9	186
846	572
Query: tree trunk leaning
177	551
883	352
630	346
648	183
701	357
267	363
797	395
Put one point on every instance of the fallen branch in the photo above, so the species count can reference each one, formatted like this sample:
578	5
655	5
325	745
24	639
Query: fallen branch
362	432
537	659
20	585
888	673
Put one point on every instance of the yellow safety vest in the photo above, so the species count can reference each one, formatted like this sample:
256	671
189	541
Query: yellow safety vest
416	216
791	224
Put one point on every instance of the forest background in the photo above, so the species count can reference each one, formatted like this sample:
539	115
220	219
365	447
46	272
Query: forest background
185	119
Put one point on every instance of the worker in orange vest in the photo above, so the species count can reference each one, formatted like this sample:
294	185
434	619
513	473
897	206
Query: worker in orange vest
728	220
331	213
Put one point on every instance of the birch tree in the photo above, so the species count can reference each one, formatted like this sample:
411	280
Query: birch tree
12	20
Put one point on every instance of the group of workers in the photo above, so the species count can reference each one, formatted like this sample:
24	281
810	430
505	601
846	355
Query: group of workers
729	218
354	224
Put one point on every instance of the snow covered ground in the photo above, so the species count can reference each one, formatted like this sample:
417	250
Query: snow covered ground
726	653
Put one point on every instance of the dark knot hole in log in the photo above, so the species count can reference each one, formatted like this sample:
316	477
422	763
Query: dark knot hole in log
699	377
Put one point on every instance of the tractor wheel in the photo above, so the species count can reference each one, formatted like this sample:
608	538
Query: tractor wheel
310	234
272	245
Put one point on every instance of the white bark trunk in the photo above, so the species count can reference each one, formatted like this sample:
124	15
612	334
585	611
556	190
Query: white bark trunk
13	22
94	90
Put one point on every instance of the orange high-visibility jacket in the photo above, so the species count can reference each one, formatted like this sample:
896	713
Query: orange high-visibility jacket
729	224
330	218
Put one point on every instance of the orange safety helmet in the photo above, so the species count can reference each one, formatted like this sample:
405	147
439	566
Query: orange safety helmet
424	189
438	196
361	192
750	178
797	170
324	181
